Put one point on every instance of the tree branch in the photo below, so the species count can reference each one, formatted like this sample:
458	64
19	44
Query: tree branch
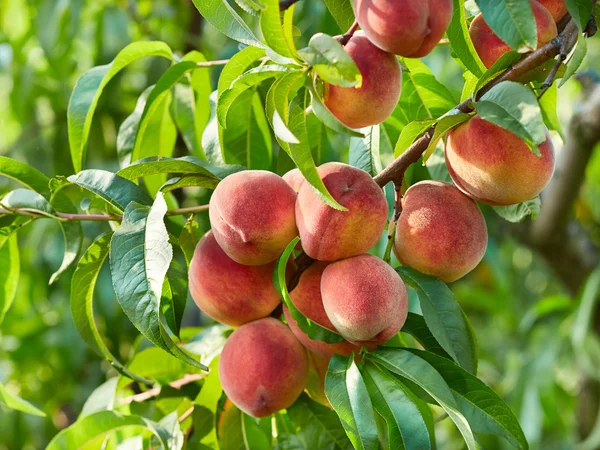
285	4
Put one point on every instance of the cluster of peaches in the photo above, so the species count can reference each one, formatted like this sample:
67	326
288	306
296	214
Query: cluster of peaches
254	215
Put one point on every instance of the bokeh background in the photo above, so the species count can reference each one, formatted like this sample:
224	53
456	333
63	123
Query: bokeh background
524	315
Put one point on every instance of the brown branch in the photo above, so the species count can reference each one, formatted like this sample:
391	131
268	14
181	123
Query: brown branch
155	392
566	40
348	34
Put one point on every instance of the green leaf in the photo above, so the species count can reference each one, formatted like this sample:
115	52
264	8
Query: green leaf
319	427
129	128
72	234
512	21
17	403
100	424
249	79
277	106
10	268
460	41
88	90
576	59
330	61
365	153
410	133
312	329
221	15
25	174
407	365
185	165
272	29
517	213
189	238
581	11
207	402
504	62
444	317
327	117
342	12
514	107
237	65
590	296
397	405
485	411
117	191
83	285
416	326
443	127
102	399
347	393
548	106
140	255
188	181
301	154
28	201
174	298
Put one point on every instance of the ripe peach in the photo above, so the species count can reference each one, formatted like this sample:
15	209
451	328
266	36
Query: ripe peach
374	101
440	232
328	234
365	299
263	368
410	28
492	165
227	291
294	178
557	8
252	216
306	296
490	47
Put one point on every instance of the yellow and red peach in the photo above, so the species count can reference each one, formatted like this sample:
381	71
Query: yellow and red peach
306	296
493	165
558	8
440	232
490	47
252	216
294	178
328	234
374	101
410	28
229	292
365	299
263	368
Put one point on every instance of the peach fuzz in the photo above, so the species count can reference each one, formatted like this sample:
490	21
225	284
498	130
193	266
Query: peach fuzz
294	178
410	28
263	368
558	8
375	100
252	216
229	292
493	165
440	232
365	299
328	234
306	296
490	47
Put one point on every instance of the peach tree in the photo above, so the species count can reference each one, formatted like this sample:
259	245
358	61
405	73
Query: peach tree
336	328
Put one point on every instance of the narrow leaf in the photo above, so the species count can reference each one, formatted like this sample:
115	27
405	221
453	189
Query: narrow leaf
512	21
17	403
10	269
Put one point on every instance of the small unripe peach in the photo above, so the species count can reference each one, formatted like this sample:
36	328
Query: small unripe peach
252	216
229	292
558	8
328	234
306	296
410	28
490	47
375	100
263	368
365	299
440	232
294	178
493	165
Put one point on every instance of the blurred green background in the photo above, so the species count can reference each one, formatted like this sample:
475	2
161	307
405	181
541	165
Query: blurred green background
522	314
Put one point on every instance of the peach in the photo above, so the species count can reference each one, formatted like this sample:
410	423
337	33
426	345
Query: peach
252	216
557	8
263	368
229	292
365	299
306	296
294	178
440	232
328	234
490	47
374	101
493	165
410	28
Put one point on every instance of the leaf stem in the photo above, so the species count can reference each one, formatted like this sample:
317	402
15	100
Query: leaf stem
348	34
